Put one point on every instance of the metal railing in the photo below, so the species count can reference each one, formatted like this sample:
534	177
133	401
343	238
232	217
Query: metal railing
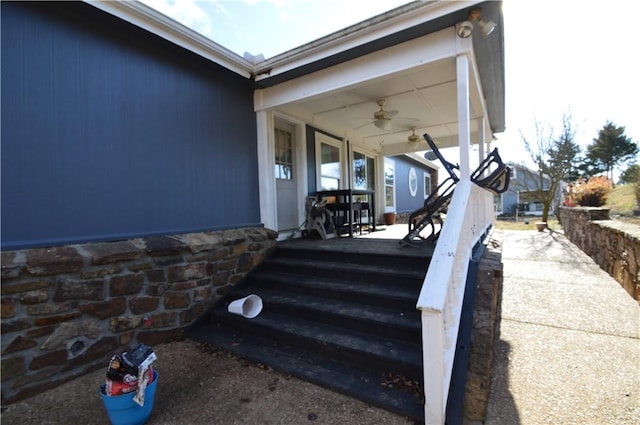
469	216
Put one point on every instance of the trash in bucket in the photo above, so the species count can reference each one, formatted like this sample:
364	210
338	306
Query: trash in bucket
122	410
249	306
130	386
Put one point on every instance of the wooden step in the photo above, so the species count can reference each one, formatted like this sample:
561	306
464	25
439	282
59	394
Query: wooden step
370	387
366	350
399	324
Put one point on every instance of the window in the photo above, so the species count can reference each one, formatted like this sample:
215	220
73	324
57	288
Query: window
413	182
389	185
427	185
328	162
363	172
284	155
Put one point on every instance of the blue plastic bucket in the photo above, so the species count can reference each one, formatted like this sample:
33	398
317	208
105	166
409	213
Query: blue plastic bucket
122	410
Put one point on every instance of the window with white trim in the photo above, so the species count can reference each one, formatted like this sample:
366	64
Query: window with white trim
389	185
427	184
364	176
413	182
328	163
284	155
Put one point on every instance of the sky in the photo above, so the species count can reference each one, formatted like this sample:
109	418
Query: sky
561	56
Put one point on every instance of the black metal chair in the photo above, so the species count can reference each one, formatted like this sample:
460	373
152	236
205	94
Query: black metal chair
430	214
492	174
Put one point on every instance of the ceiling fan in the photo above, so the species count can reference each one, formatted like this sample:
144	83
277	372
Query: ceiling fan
413	139
381	118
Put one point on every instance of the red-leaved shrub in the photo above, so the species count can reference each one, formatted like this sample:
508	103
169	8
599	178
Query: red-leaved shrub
593	192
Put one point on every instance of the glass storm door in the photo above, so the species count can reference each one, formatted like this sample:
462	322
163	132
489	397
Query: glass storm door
286	186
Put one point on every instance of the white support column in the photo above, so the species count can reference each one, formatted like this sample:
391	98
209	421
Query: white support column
481	142
464	132
433	337
266	177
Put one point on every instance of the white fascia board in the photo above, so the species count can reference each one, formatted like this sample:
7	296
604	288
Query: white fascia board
383	63
422	160
359	34
157	23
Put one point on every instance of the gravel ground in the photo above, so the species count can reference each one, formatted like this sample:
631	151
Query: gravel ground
201	385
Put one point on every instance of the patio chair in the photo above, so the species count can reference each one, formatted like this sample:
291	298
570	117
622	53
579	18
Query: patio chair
436	204
498	177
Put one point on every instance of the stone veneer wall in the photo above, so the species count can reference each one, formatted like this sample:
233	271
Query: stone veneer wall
66	310
485	331
614	245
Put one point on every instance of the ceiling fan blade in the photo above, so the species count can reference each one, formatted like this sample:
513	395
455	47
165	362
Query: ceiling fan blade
390	114
363	125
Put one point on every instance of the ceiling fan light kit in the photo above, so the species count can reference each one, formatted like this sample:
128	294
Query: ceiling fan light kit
383	123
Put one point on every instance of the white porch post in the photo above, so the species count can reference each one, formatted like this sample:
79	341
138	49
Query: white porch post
481	141
464	133
266	177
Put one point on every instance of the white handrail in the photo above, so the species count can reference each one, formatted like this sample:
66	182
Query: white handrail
470	214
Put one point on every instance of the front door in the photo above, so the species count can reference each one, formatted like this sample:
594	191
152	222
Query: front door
286	179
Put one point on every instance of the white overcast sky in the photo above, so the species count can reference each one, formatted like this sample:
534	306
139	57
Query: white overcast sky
561	56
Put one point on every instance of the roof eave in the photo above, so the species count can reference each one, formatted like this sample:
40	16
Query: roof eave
145	17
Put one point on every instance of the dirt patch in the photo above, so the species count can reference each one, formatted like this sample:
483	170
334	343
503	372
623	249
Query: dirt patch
199	384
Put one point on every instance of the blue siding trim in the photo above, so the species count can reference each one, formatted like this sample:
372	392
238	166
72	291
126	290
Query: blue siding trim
111	132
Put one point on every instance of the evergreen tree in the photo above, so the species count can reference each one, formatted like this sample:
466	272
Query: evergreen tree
631	174
610	149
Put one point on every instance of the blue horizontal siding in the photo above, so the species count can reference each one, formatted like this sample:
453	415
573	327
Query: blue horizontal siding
110	132
404	201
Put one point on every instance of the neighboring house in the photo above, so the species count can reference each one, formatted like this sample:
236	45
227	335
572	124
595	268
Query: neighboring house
414	179
121	125
521	194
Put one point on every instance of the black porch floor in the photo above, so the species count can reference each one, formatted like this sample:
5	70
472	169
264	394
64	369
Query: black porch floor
378	243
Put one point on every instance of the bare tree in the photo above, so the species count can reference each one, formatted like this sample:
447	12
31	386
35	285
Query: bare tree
554	159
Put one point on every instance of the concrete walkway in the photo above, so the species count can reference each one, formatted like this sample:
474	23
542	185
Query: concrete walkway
568	343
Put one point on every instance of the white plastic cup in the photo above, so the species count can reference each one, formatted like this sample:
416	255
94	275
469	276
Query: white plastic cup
249	306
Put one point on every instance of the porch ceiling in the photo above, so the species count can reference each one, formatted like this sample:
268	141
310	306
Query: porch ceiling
417	78
424	98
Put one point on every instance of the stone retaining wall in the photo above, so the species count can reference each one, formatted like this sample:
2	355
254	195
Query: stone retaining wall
484	332
66	310
614	245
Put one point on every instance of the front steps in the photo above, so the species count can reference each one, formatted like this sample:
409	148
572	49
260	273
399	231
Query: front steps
338	313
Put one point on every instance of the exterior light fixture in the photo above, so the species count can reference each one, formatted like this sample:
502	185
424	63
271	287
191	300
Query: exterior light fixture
487	28
464	29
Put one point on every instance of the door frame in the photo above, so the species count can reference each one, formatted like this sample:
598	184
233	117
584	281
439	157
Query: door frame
300	168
